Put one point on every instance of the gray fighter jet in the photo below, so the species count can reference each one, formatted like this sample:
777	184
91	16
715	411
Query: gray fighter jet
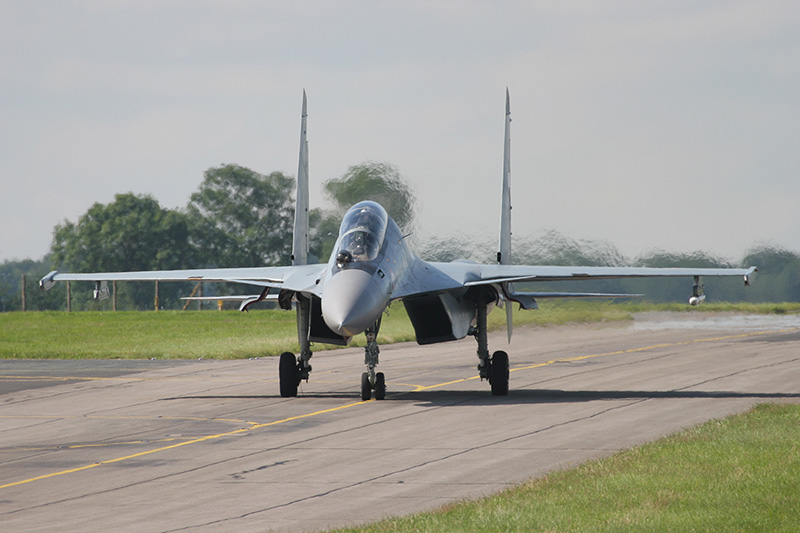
372	266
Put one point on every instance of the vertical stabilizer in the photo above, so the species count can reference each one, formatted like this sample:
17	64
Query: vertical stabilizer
300	242
504	254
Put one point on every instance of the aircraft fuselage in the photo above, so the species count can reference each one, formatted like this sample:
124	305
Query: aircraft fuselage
368	261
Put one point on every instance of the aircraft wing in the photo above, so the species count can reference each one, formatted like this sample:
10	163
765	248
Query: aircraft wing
521	273
296	278
441	277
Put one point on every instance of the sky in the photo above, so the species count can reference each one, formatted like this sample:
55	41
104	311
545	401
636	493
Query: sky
649	125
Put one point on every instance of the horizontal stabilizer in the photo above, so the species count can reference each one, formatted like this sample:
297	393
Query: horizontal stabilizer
574	295
238	298
527	300
247	300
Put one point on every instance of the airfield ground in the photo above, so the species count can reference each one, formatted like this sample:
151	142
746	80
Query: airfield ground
209	445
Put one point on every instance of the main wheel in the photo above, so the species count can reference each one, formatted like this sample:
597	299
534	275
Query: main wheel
289	375
380	386
499	374
366	388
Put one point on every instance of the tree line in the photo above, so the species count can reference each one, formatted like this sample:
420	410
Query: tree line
236	218
778	278
241	218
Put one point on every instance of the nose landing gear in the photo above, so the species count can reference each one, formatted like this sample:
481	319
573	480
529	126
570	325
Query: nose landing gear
371	380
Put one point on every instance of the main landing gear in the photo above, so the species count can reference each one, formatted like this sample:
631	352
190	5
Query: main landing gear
494	368
371	380
291	370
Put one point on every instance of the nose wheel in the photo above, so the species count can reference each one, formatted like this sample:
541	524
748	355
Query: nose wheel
379	386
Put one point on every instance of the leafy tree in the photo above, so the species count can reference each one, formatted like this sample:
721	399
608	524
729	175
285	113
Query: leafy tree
323	230
778	277
11	273
665	259
550	248
770	258
379	182
553	248
680	289
458	247
131	233
241	218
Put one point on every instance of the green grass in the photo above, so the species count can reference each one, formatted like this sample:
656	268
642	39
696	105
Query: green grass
259	333
168	334
737	474
164	334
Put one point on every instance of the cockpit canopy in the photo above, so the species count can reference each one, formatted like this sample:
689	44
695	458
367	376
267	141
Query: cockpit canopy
362	231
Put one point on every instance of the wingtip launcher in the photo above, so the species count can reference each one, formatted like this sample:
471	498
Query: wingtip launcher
48	282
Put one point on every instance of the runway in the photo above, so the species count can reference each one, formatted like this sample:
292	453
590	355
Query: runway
210	445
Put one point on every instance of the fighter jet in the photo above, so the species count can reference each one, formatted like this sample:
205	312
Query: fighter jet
372	266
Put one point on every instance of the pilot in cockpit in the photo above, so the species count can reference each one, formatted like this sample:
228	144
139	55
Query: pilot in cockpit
358	245
363	233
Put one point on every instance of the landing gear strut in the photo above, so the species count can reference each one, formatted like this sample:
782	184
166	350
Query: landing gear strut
371	380
494	368
292	371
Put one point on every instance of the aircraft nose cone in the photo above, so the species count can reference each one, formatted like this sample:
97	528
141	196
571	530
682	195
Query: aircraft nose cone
351	302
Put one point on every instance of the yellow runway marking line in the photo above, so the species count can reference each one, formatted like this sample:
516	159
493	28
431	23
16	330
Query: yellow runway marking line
123	417
347	406
124	378
648	348
178	445
109	444
81	446
420	388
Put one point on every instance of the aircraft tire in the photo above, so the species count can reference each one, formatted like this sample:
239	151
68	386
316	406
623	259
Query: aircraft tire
366	388
288	375
499	374
380	386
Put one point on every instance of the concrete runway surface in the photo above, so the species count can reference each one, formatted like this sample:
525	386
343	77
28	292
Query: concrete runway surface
210	445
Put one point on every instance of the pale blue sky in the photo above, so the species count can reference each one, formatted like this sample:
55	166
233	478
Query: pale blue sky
653	124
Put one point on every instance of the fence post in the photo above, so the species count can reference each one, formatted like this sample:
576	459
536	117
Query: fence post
114	296
69	297
156	300
24	293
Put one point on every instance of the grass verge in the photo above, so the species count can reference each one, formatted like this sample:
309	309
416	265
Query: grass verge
260	333
737	474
